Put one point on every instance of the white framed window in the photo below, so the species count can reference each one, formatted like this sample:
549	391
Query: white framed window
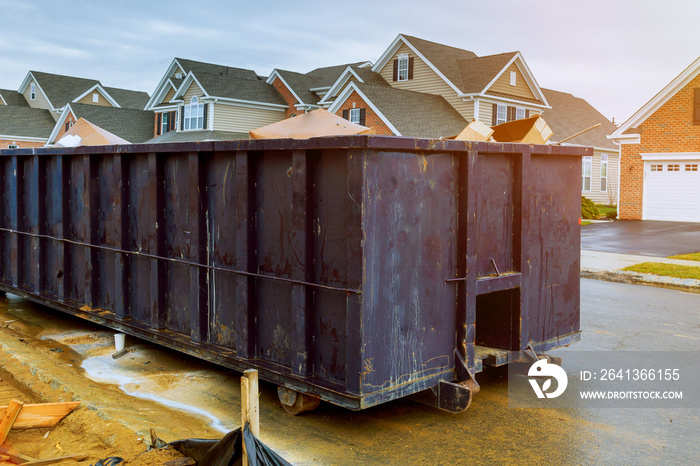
32	91
691	167
501	114
194	115
657	167
13	146
519	113
354	116
603	172
95	97
402	74
512	78
674	167
586	173
164	123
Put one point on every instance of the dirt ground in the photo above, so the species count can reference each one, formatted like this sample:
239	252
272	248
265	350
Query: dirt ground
108	422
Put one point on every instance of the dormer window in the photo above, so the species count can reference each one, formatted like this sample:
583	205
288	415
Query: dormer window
32	91
403	68
193	116
95	98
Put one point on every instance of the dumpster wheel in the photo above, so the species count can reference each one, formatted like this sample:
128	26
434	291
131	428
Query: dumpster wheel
296	403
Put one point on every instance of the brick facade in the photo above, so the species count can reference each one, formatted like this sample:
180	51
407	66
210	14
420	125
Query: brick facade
669	129
372	120
5	143
288	97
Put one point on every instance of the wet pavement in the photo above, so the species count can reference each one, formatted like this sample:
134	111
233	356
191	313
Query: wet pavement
614	317
642	237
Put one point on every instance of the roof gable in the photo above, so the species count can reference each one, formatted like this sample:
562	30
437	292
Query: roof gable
86	97
59	89
656	102
362	75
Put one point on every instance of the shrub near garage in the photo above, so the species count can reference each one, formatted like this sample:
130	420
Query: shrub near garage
588	209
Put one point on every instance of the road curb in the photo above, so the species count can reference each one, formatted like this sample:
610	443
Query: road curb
636	278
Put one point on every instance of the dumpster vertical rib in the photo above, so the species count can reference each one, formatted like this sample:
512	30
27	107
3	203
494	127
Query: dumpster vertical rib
197	247
471	189
121	219
521	228
155	202
245	247
17	241
301	263
38	193
3	218
90	218
356	270
62	247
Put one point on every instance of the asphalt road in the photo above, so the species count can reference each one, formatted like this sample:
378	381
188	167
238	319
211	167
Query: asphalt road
614	317
643	237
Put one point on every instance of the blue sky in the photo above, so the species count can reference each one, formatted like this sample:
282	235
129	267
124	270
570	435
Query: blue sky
616	54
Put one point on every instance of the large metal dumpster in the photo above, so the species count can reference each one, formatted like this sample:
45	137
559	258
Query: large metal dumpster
353	269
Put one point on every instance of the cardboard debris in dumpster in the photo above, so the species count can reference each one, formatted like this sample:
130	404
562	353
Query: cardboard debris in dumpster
309	125
475	131
532	130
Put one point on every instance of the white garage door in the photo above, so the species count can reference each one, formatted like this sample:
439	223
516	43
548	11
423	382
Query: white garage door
672	190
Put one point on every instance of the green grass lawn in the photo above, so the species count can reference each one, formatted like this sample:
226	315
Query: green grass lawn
666	270
687	257
584	222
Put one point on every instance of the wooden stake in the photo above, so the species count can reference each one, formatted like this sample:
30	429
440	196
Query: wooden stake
250	408
13	409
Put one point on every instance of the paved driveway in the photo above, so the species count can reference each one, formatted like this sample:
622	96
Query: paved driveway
643	237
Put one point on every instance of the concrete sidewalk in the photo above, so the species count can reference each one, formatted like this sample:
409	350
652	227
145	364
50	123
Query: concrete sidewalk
608	266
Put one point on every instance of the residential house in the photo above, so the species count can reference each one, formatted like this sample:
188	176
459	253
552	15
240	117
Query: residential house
197	101
22	126
660	154
570	115
46	100
132	125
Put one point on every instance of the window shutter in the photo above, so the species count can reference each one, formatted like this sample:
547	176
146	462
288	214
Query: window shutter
510	114
494	115
396	70
159	117
206	113
362	116
182	118
696	107
345	114
67	126
527	113
410	67
171	120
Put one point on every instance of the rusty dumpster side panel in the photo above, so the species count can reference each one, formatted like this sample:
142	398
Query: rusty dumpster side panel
356	269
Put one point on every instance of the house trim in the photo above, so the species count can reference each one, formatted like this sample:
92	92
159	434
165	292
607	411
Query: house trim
3	100
101	90
389	52
166	77
527	74
339	83
59	123
275	74
659	99
244	103
625	138
347	92
162	93
186	84
28	79
671	156
21	138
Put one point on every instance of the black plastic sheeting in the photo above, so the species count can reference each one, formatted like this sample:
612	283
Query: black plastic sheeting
229	450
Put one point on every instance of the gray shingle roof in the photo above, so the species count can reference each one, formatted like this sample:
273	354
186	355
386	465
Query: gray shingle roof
62	89
415	114
570	115
129	99
300	84
26	122
136	126
239	88
325	77
197	136
13	98
200	67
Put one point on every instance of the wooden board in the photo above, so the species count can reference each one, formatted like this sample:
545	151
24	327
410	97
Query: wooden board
40	415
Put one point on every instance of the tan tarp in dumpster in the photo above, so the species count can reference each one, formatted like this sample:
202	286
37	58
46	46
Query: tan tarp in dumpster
84	133
308	125
532	130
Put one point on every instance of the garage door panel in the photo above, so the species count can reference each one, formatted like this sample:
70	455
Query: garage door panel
672	190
